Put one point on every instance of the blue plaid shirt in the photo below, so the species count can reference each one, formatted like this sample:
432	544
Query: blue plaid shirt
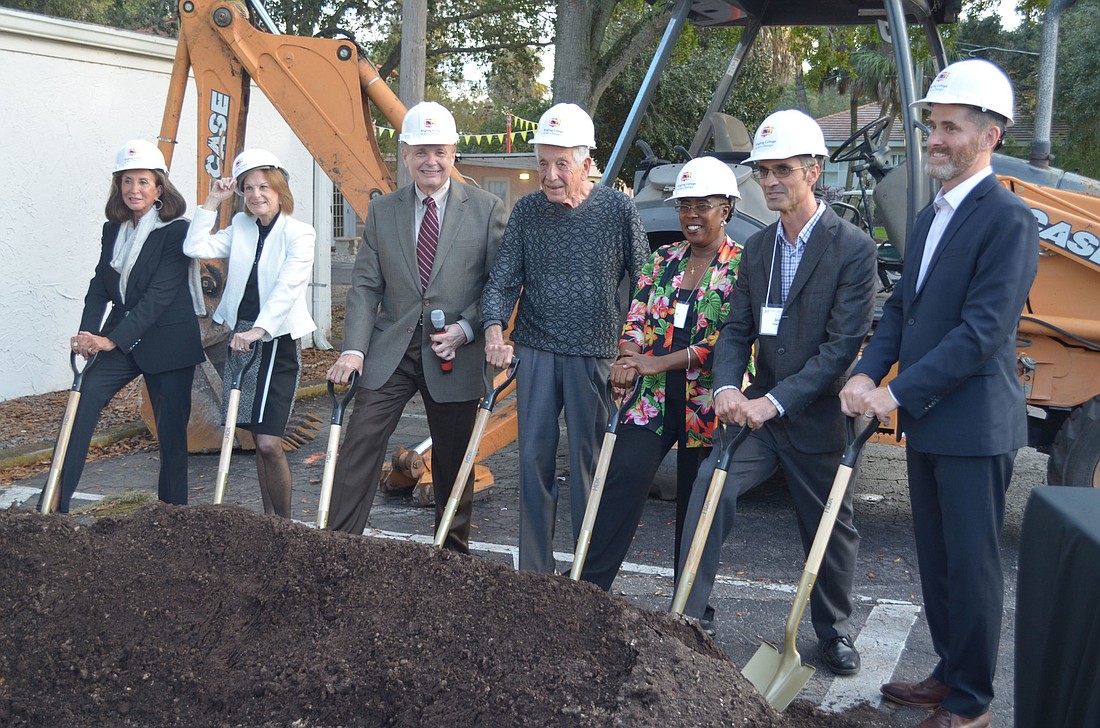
791	254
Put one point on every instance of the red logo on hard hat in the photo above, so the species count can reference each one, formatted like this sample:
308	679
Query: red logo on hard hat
685	176
429	123
553	122
131	151
766	131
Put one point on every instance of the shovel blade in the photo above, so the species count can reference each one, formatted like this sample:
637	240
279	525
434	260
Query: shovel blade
779	676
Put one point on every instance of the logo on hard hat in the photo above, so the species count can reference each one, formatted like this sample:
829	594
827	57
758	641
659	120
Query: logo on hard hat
685	176
429	123
554	122
766	131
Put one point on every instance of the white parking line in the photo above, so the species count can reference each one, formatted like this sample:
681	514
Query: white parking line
880	643
19	494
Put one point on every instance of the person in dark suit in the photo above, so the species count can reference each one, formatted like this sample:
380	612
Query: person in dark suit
152	329
805	297
950	326
427	246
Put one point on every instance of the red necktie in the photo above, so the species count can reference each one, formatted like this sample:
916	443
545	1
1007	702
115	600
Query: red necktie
426	241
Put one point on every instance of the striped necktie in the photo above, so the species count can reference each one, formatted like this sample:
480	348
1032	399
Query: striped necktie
426	242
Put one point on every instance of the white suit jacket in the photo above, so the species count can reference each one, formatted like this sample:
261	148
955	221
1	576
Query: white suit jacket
283	273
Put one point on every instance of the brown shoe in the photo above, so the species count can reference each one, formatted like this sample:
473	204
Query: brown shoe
928	693
946	719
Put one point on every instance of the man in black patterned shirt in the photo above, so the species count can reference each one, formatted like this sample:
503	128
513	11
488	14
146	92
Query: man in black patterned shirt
568	247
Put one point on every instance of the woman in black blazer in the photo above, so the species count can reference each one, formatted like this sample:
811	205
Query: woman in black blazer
152	329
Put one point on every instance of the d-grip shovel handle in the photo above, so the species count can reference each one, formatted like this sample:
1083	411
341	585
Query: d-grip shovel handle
238	376
706	517
467	466
340	405
856	441
78	373
50	494
580	553
490	399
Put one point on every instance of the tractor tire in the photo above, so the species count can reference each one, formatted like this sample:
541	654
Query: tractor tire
1075	454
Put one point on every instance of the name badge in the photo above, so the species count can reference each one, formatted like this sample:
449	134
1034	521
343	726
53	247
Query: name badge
769	320
681	316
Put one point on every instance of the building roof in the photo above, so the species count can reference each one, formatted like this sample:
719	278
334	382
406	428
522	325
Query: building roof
838	127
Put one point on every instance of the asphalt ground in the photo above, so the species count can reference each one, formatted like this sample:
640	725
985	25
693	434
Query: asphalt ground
762	560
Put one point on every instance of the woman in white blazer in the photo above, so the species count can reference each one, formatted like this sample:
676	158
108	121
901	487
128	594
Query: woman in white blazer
264	302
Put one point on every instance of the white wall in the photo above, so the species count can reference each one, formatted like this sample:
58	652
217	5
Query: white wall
71	94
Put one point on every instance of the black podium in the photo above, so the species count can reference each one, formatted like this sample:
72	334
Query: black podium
1058	610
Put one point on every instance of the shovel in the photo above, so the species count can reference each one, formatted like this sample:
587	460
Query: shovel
486	409
231	427
706	518
780	676
602	464
50	494
338	408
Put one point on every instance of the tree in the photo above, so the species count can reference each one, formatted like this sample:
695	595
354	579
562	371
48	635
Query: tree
595	40
1078	94
150	16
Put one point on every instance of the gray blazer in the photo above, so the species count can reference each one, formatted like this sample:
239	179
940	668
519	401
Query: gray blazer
385	301
827	314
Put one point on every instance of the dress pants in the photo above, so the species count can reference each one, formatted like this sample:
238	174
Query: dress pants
958	512
170	397
809	479
638	454
545	383
372	423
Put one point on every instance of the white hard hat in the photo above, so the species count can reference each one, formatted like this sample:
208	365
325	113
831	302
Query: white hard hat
428	123
973	82
251	159
706	176
785	134
140	154
566	125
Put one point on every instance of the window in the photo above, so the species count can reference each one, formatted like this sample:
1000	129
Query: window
338	219
498	186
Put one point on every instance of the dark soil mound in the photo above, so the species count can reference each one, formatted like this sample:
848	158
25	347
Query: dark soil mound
215	616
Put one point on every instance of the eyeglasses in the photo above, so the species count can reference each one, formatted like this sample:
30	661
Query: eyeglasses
780	172
700	207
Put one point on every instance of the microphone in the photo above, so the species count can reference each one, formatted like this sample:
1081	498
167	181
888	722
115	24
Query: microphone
439	323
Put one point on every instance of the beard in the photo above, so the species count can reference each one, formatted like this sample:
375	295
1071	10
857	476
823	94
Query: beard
957	162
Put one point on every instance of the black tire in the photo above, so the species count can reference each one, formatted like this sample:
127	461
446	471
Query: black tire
1075	454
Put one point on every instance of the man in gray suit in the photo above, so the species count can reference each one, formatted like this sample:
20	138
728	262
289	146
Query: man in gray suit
427	246
805	296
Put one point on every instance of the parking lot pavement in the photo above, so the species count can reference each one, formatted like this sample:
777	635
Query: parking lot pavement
762	560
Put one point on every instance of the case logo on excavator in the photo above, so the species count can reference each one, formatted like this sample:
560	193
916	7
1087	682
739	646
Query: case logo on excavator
1078	242
217	125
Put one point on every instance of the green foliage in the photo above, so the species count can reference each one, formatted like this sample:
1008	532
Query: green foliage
698	62
1077	102
149	16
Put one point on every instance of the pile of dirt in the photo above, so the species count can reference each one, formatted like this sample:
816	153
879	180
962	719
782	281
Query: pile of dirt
216	616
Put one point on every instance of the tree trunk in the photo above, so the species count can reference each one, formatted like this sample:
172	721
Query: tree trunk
574	56
853	111
800	89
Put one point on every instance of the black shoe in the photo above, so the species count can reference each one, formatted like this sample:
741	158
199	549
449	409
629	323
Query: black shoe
840	655
707	625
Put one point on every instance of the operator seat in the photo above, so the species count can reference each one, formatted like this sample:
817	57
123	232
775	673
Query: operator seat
732	141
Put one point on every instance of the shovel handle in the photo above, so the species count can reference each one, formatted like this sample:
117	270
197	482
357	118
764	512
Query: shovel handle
340	405
856	440
490	399
706	516
50	494
599	479
238	376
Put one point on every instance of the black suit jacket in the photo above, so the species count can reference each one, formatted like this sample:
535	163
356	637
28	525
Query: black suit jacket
954	340
157	322
826	317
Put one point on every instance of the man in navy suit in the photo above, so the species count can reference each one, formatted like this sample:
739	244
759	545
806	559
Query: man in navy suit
950	326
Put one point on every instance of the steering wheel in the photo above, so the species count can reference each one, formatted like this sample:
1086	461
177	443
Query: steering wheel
871	136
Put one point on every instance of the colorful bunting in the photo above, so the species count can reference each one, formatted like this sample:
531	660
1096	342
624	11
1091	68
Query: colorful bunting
525	126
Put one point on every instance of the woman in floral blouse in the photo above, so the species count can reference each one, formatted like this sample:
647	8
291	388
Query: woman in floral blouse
681	300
